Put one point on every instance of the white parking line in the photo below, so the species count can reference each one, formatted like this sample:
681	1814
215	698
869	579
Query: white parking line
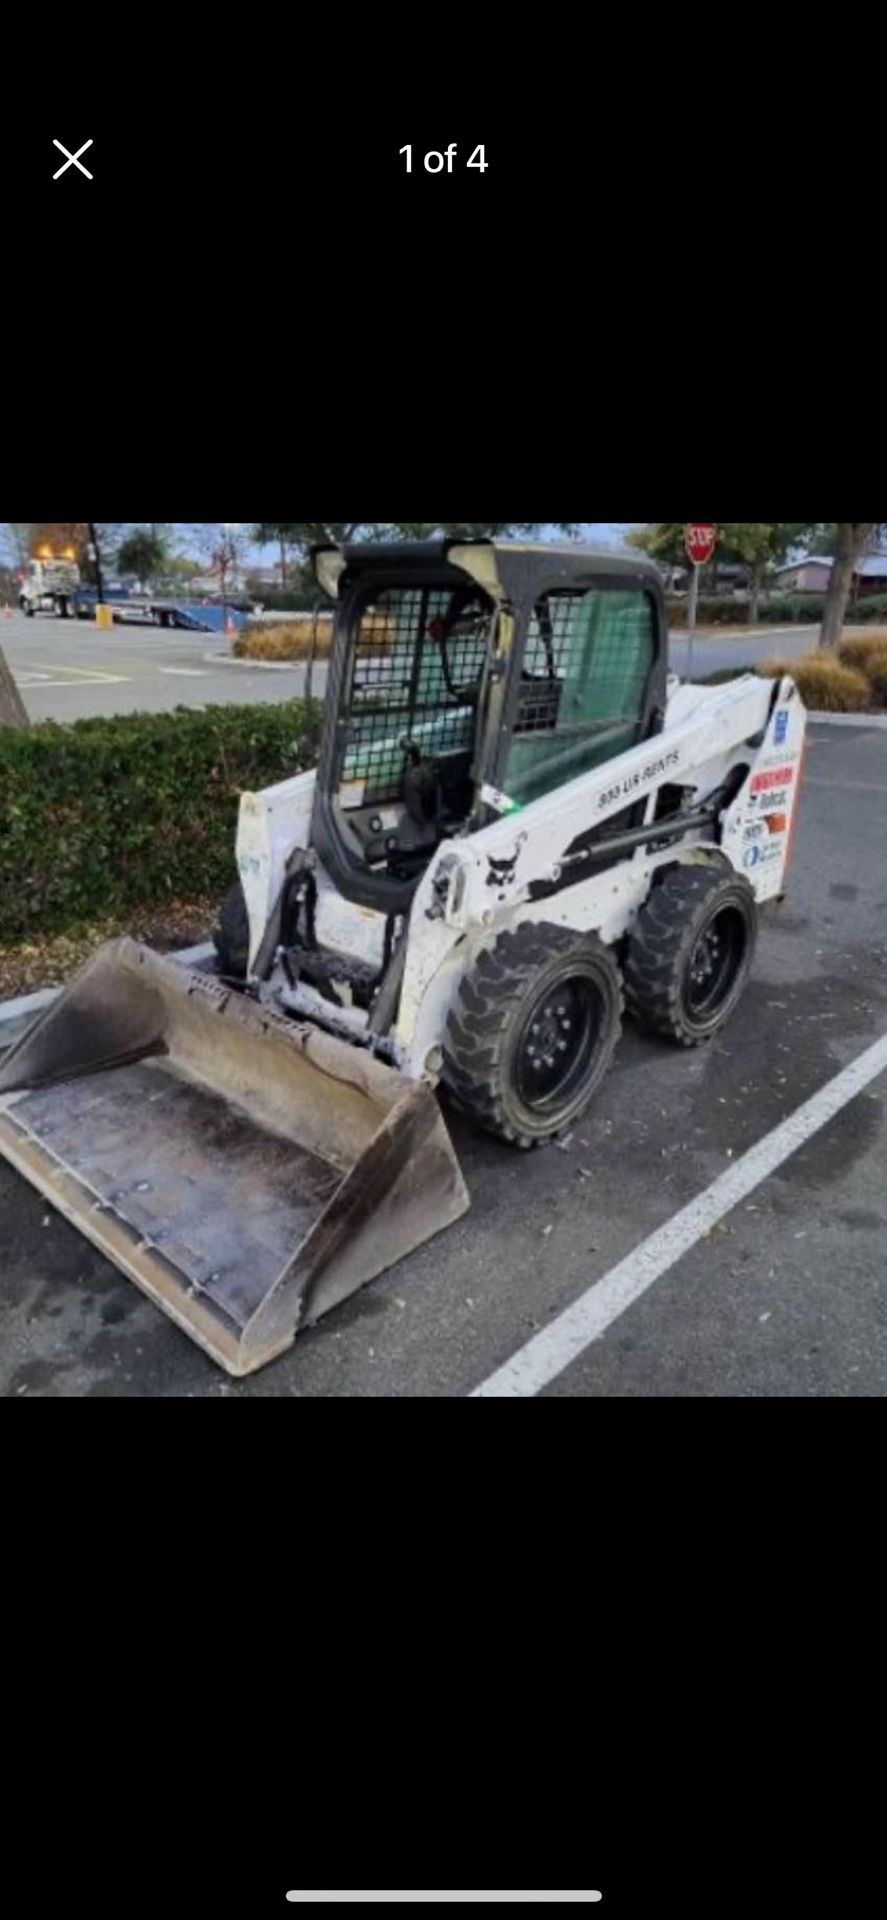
185	673
42	675
558	1345
41	680
847	786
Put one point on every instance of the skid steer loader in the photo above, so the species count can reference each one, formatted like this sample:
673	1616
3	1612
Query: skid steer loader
520	824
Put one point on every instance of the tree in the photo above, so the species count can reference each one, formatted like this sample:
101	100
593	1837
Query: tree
70	539
758	545
761	546
143	553
222	547
822	538
662	540
180	570
58	540
300	536
282	536
852	539
12	706
18	541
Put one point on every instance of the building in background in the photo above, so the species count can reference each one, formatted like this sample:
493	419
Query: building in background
813	575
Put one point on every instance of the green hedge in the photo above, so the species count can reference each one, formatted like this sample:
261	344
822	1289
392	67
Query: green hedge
299	597
871	611
711	612
780	610
110	814
789	609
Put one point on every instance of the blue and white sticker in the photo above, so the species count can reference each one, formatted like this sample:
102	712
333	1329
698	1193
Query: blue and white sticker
782	720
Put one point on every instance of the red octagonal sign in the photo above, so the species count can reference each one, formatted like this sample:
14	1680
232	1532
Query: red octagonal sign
700	543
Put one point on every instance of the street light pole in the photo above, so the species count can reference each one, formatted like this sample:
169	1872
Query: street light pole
228	556
96	556
692	610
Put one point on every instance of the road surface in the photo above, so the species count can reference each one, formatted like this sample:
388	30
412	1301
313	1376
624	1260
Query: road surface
67	670
711	655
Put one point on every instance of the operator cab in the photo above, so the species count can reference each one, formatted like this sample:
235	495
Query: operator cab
412	702
464	667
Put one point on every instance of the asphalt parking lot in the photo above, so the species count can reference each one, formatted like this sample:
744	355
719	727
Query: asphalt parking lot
785	1296
67	670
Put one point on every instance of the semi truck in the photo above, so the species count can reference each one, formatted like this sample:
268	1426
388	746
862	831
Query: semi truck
55	586
49	586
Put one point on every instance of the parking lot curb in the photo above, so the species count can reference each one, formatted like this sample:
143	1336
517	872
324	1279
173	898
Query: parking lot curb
264	666
876	720
32	1002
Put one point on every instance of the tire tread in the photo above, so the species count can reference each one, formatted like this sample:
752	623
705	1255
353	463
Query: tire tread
479	1020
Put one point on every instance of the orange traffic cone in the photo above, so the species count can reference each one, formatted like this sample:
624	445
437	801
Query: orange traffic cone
230	629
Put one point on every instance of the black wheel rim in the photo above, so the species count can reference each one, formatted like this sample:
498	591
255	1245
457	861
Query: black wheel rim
715	963
557	1043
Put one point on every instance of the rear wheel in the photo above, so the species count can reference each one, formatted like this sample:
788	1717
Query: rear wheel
231	935
532	1031
691	952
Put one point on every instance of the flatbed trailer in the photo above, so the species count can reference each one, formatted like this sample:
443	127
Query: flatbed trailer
196	618
125	606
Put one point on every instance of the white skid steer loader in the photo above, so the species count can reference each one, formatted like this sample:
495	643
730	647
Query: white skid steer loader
520	822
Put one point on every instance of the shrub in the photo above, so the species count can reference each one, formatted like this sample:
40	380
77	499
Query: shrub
311	634
107	815
866	612
712	611
792	609
297	639
862	651
825	686
299	595
877	679
776	610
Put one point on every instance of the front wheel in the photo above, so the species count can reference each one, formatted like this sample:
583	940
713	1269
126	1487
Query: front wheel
532	1031
691	952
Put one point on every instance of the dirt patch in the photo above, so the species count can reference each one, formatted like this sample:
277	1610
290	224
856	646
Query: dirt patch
49	963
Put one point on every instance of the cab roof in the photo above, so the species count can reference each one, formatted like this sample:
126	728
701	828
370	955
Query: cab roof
508	569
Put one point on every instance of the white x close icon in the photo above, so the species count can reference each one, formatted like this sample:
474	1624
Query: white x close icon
73	159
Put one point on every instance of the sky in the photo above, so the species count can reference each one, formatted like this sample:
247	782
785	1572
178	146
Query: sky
607	533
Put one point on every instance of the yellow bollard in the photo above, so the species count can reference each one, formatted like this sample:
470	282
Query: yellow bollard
104	619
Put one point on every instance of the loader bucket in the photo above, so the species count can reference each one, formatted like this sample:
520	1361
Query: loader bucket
246	1171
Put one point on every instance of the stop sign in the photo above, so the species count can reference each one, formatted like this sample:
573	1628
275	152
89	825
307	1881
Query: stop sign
700	543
